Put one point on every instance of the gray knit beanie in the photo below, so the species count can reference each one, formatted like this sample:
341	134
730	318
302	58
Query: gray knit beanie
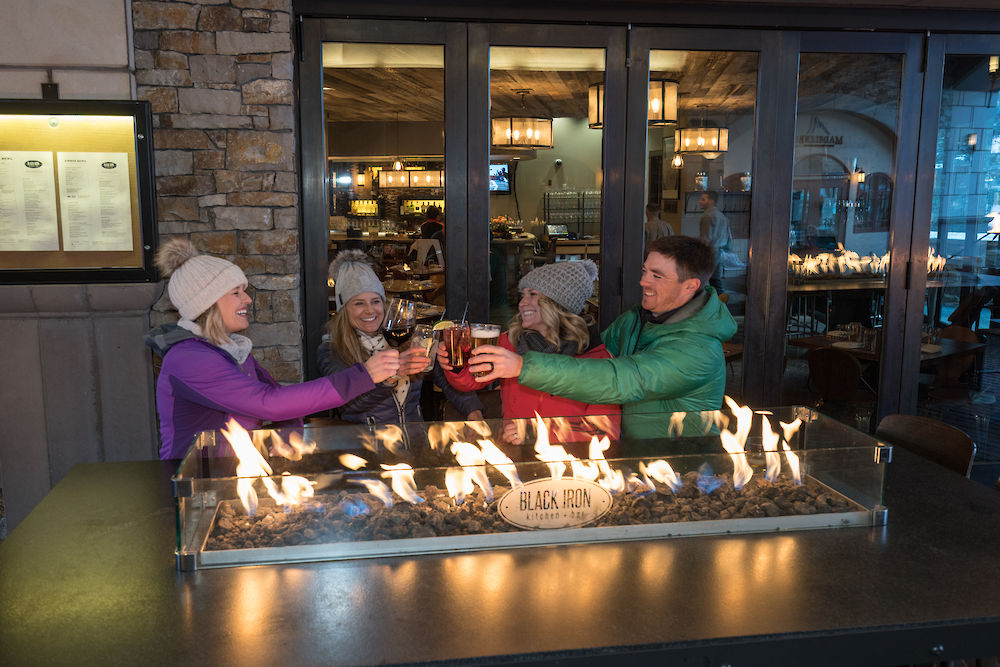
567	283
352	274
196	281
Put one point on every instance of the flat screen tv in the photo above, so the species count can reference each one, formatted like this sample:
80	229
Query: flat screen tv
500	179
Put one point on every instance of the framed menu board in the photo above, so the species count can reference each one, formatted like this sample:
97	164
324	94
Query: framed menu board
77	197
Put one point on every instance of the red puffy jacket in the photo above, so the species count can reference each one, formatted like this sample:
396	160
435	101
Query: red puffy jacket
520	402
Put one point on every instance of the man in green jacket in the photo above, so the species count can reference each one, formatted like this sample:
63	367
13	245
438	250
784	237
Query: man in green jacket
667	352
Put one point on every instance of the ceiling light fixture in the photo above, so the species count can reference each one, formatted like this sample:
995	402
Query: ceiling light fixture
709	141
521	131
662	101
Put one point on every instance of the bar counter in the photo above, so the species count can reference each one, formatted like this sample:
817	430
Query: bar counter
89	578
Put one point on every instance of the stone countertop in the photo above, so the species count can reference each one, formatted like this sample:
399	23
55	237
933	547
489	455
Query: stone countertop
89	577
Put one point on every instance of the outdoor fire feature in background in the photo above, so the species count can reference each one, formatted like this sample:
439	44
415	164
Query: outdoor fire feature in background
351	492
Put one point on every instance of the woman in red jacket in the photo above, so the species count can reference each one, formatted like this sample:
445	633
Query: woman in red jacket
548	320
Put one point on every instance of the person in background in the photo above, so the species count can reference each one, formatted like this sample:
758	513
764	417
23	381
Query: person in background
208	374
432	227
666	353
548	320
655	227
714	230
354	334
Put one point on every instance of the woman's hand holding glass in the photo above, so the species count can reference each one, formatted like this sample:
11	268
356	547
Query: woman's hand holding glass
418	356
382	365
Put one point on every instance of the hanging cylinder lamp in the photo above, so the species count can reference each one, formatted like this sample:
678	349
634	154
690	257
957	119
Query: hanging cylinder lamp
595	106
662	102
521	132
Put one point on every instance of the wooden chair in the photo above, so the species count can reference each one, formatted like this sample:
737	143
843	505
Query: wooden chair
932	439
948	381
836	376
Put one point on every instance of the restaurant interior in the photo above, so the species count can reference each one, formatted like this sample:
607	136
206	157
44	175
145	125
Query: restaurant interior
384	108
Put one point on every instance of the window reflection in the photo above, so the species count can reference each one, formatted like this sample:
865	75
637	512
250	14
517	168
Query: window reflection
546	166
699	165
845	147
962	300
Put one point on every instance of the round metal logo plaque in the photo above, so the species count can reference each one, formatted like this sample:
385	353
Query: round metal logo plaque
554	503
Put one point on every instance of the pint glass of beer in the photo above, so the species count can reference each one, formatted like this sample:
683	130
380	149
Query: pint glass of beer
484	334
456	340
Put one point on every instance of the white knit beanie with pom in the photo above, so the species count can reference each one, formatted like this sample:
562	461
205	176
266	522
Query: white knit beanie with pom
569	284
196	281
352	274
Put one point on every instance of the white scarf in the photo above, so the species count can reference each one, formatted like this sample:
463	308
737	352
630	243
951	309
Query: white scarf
238	346
374	344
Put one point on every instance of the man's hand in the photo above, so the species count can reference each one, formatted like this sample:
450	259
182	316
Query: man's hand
382	365
496	361
413	361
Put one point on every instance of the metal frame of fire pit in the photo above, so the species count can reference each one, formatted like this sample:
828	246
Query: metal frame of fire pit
854	472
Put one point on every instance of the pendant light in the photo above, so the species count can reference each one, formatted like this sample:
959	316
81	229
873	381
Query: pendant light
709	141
662	101
521	131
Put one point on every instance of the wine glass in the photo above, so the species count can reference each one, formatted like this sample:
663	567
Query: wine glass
399	321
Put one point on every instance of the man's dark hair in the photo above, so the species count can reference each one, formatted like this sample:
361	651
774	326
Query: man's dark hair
695	258
433	212
713	195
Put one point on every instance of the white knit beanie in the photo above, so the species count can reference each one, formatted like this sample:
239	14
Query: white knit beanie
196	281
352	275
569	284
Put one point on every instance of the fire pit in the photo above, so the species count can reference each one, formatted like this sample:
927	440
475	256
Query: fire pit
337	492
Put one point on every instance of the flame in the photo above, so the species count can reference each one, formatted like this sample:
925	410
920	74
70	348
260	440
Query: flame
251	465
841	261
376	488
500	461
994	217
735	443
474	464
458	483
406	267
676	427
770	440
402	481
329	282
352	461
610	479
554	455
661	471
294	449
936	263
789	429
602	424
793	463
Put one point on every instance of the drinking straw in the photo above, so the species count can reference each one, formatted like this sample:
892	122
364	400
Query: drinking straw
465	312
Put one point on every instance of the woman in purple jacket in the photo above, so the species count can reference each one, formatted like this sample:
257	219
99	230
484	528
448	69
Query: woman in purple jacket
208	374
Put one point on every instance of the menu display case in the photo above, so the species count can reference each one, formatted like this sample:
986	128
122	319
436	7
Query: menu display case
342	492
76	191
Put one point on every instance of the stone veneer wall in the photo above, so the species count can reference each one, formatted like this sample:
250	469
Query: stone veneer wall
218	76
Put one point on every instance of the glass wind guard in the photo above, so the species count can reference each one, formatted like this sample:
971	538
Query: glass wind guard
339	492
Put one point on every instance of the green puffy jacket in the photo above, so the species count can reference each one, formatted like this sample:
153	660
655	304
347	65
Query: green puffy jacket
677	366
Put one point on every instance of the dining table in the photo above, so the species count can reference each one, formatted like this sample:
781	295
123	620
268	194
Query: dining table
946	348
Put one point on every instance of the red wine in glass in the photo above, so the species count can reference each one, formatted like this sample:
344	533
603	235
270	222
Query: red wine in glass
398	335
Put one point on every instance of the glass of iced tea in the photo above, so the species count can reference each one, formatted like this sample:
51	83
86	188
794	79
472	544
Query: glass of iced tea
456	341
483	334
423	339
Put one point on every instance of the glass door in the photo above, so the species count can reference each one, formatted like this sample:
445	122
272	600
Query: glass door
545	153
851	143
694	128
956	306
379	159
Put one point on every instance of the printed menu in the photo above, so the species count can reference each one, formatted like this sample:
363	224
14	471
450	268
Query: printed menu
95	201
28	217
